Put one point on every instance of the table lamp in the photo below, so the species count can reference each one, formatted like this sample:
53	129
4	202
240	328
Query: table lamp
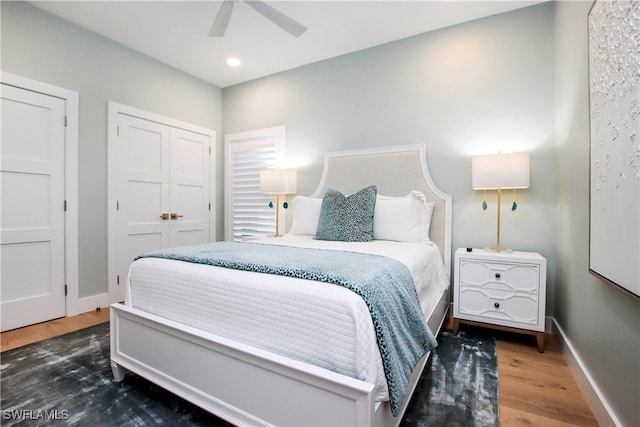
500	172
278	182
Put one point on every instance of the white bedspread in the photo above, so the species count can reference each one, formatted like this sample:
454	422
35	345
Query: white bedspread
319	323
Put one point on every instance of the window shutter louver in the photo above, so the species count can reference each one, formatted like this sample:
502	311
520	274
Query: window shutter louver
249	208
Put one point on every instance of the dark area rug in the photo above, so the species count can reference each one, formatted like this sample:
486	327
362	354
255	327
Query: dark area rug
67	381
459	385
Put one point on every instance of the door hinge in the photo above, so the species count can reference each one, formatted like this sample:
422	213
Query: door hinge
65	205
117	205
66	290
118	279
209	150
117	130
65	121
209	205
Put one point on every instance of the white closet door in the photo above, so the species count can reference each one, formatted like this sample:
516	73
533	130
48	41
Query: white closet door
163	189
189	187
32	220
143	190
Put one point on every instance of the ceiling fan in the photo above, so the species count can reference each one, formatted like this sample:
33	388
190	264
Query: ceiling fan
288	24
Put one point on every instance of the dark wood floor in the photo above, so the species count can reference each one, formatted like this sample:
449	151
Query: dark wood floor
536	389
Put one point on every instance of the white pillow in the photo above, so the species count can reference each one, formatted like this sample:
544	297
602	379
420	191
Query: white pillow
306	214
403	219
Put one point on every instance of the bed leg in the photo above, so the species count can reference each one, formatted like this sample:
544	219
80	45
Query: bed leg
118	372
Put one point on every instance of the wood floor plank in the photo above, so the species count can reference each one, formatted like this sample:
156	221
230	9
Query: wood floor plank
566	408
41	331
510	417
538	389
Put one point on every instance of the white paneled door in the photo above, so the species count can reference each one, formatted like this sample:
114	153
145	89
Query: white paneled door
163	189
32	223
189	196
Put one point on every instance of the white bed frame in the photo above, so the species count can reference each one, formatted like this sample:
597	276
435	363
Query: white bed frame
249	386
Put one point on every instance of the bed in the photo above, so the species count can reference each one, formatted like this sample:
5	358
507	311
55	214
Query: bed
169	338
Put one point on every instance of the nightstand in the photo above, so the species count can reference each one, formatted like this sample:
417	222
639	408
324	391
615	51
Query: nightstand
500	290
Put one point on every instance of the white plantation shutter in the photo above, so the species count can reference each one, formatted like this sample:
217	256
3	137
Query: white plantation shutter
247	209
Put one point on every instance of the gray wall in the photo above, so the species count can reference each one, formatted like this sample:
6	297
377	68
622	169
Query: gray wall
601	323
42	47
471	89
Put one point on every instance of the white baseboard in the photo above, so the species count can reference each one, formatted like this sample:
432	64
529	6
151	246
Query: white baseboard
599	406
83	305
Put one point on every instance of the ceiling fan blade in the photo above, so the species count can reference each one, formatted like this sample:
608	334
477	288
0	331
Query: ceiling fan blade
291	26
222	19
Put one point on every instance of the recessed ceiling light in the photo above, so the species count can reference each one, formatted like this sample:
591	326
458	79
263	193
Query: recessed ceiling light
233	62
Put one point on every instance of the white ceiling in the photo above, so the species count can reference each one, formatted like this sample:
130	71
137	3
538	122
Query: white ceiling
175	32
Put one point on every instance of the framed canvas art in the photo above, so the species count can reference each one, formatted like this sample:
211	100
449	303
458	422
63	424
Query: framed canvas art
614	96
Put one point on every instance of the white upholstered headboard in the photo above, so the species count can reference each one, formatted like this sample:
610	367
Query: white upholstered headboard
395	171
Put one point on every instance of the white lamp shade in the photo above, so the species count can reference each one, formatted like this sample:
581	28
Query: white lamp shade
495	171
282	181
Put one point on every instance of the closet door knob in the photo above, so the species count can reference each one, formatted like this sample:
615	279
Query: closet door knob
164	216
176	216
497	275
496	304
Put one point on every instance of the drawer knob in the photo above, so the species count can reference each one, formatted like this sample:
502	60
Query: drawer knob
496	304
497	275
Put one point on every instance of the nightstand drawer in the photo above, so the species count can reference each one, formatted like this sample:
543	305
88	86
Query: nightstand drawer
499	276
515	309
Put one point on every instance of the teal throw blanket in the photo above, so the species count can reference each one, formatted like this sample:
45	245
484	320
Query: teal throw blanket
385	285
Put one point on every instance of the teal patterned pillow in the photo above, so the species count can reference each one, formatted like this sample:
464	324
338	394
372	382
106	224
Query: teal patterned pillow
347	219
